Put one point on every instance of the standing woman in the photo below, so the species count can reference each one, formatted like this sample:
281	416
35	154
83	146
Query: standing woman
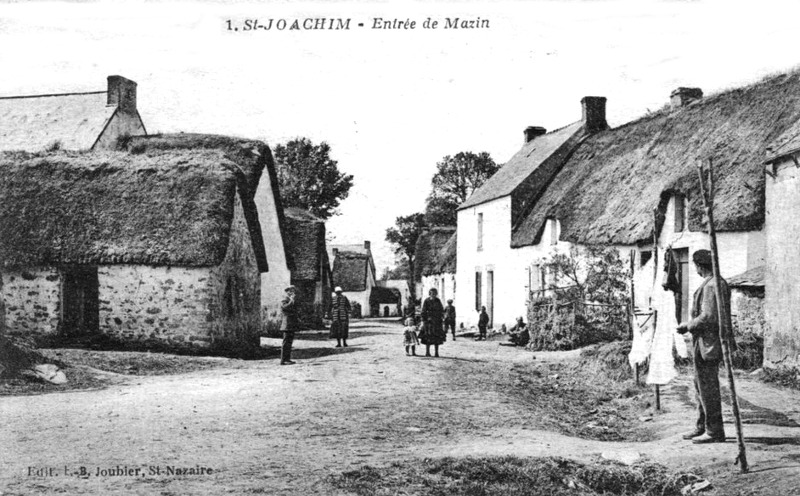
340	314
432	316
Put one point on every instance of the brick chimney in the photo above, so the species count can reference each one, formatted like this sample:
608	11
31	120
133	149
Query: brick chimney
532	132
594	113
122	93
683	96
366	245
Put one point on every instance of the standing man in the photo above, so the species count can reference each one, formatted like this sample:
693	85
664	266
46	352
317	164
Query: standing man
432	314
450	318
483	322
707	351
288	324
340	316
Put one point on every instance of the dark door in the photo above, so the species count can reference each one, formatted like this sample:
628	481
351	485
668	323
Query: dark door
490	296
80	308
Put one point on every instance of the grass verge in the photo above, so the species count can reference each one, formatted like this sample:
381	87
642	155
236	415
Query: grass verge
512	476
594	397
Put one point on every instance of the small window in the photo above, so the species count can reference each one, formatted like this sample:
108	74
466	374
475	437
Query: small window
645	257
480	232
680	213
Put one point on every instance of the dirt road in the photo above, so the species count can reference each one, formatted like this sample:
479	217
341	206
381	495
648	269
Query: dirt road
263	428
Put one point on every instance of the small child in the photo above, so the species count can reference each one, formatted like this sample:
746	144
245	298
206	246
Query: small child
410	336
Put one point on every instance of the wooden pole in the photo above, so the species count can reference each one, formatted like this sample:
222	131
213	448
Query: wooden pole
723	312
658	389
658	397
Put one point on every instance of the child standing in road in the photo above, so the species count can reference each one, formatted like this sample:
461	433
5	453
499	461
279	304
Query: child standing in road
410	336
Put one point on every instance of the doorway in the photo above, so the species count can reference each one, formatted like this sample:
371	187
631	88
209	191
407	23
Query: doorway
80	308
490	296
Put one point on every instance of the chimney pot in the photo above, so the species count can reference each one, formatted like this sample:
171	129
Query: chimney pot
683	96
594	113
122	93
532	132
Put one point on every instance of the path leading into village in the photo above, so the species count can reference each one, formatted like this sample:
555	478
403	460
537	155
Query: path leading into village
263	428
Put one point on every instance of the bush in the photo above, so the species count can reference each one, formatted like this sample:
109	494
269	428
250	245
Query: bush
566	326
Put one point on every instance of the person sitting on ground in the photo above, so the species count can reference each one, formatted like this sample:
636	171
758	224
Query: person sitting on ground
519	334
483	322
410	336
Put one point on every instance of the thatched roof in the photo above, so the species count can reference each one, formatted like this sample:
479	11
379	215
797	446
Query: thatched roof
250	157
607	190
753	278
33	123
305	237
446	258
380	295
786	144
429	245
524	163
173	207
350	271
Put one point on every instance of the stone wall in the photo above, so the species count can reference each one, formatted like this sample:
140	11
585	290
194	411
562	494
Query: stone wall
235	291
185	307
168	305
32	301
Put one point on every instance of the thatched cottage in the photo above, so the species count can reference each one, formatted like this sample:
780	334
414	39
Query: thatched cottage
634	187
354	272
71	121
434	268
782	268
311	272
164	243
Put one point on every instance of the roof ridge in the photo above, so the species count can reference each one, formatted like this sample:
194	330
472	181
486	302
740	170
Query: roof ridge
52	94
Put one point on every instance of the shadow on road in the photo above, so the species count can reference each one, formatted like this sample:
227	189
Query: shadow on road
772	441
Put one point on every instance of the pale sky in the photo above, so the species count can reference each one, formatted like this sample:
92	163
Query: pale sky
391	103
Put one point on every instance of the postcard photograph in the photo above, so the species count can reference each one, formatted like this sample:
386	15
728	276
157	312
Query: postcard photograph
366	247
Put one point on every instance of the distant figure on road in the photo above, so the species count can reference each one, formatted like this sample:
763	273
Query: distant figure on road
432	315
450	318
410	336
707	349
340	314
483	322
288	324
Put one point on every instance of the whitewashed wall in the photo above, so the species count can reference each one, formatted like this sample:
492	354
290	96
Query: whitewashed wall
782	275
274	282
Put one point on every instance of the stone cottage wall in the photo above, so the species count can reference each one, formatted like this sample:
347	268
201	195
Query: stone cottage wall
167	305
185	307
235	291
32	301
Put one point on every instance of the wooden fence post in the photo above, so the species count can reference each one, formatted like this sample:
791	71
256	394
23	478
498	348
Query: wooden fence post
723	312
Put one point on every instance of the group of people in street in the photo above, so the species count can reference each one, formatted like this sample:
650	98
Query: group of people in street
436	320
340	321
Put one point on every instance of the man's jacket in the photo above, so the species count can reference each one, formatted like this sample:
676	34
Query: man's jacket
704	324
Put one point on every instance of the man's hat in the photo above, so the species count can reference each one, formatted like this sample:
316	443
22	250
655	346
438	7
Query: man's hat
702	257
338	289
291	288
